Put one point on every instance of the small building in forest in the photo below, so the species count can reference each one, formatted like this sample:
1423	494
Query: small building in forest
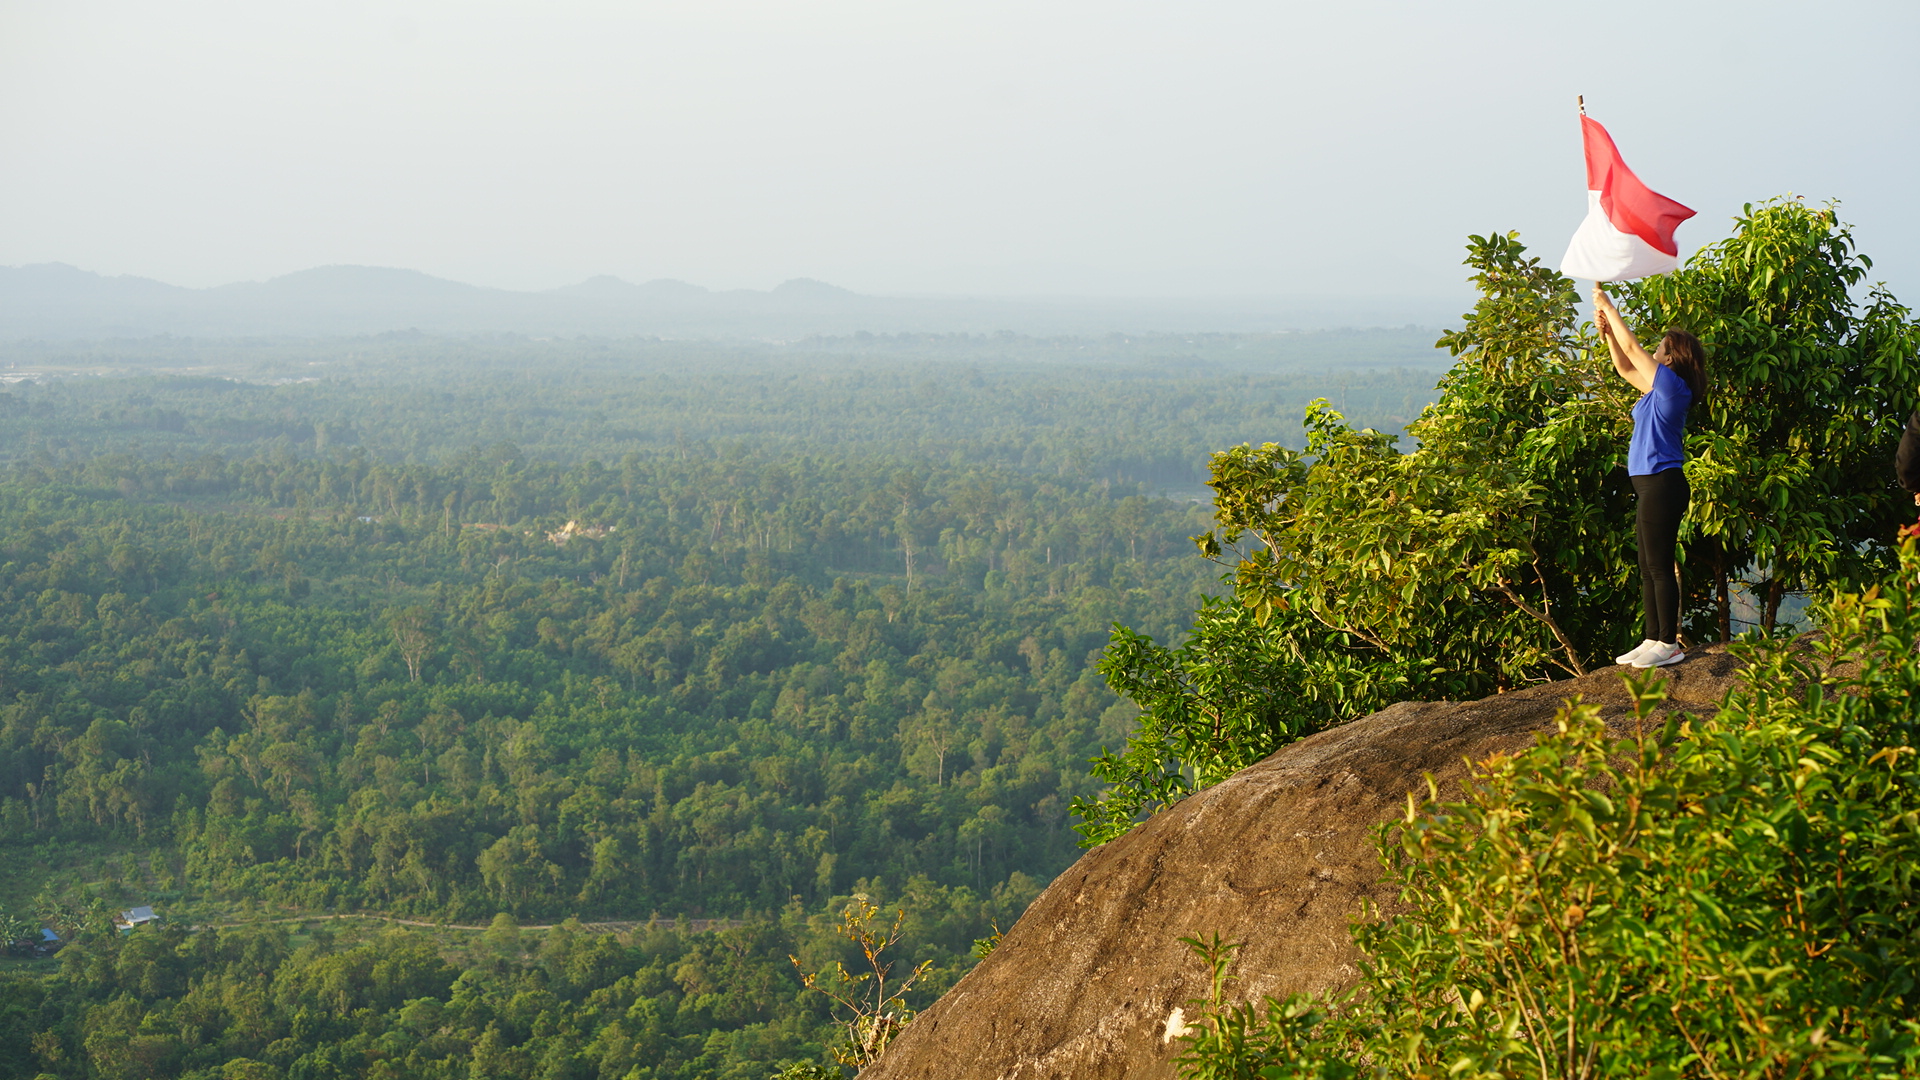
31	944
134	918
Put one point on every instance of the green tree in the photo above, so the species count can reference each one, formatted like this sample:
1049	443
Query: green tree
16	929
1494	551
1238	689
1494	554
1499	551
1730	895
875	1010
503	935
1812	381
412	630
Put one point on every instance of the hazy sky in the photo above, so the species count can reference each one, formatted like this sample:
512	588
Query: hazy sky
1097	148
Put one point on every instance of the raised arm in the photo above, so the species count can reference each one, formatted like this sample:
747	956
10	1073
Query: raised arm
1630	359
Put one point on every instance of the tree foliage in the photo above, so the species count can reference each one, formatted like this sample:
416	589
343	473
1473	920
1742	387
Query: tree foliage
658	1002
873	1011
1499	551
723	694
1813	374
517	631
1729	895
1125	408
1233	693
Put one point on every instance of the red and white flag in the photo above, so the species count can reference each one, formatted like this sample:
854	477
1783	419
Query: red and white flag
1628	232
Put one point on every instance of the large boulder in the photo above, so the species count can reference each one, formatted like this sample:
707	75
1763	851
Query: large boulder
1279	856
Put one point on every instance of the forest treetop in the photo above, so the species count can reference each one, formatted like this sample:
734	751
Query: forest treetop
1119	408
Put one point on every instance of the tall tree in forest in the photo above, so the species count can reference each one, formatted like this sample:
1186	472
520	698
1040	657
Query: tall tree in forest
412	630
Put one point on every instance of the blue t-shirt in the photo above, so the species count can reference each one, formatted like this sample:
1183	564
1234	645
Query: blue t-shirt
1659	420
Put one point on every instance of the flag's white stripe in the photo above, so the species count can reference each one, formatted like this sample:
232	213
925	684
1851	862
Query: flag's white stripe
1600	252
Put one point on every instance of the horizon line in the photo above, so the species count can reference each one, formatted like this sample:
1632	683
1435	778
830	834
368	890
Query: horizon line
800	281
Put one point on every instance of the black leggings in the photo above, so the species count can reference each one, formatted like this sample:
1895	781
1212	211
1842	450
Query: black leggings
1662	501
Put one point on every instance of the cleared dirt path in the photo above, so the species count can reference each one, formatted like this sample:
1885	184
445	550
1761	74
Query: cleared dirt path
617	926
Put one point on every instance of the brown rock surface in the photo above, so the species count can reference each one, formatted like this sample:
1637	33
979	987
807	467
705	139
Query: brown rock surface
1279	856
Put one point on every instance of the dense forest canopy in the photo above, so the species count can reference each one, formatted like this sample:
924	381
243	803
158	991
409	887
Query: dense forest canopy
693	702
470	632
1127	409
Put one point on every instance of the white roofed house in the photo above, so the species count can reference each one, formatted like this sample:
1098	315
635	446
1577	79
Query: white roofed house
133	918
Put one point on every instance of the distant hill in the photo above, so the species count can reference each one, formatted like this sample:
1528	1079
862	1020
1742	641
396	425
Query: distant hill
360	284
57	301
608	287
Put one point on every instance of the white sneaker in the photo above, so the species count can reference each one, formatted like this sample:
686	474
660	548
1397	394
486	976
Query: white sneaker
1662	654
1629	656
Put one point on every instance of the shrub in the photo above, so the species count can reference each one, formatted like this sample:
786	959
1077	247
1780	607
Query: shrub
1731	895
1499	551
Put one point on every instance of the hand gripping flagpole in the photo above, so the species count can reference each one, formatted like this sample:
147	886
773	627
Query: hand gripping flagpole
1581	100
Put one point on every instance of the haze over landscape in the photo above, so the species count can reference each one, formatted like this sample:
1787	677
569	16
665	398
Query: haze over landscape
531	534
60	302
1129	150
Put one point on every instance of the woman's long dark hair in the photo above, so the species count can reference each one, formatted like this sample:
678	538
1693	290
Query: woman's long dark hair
1688	359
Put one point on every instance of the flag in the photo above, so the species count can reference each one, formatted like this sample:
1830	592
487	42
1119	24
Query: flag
1628	232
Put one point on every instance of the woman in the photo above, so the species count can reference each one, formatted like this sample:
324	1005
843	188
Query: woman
1669	381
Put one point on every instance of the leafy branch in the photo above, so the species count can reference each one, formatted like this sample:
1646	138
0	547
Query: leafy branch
878	1012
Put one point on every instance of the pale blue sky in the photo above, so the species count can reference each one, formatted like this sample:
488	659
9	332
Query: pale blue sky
984	147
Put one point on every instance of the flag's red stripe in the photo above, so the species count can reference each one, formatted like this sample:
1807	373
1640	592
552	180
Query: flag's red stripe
1632	206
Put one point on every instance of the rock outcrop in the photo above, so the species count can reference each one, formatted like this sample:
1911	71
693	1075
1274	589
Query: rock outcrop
1279	856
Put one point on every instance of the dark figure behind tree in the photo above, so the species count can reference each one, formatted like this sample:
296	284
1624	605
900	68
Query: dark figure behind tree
1906	463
